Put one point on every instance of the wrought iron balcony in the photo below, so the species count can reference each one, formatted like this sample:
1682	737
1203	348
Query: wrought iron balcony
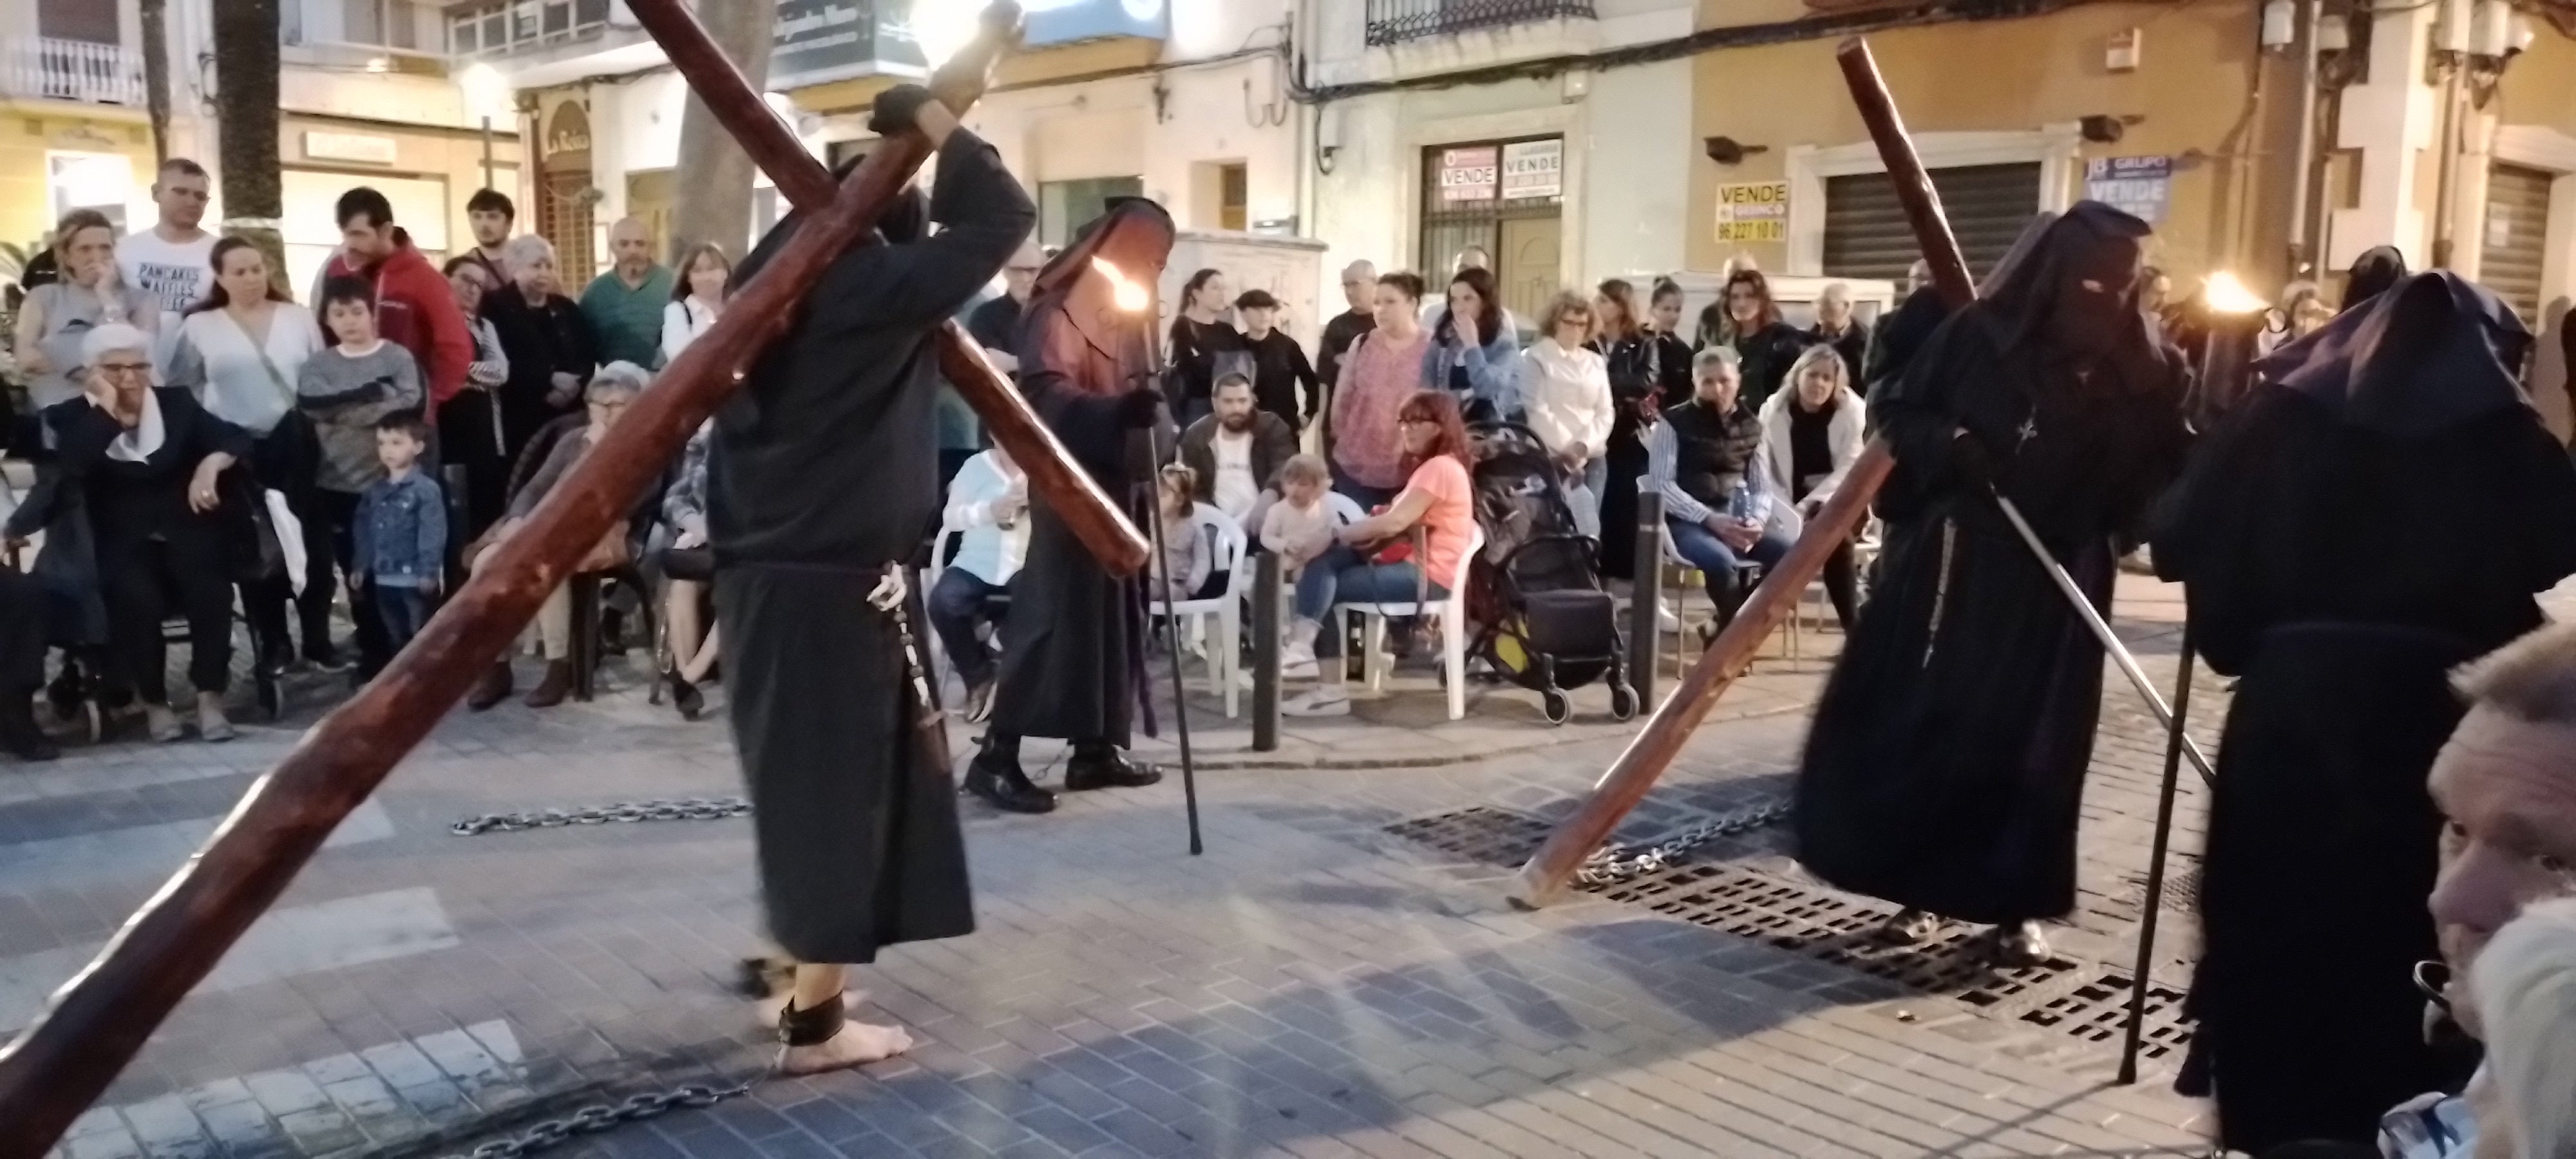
70	70
1395	21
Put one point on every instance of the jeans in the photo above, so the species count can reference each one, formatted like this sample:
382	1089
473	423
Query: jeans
1715	560
1342	575
334	523
404	610
956	604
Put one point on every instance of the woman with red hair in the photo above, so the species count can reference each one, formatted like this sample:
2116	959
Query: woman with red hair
1437	499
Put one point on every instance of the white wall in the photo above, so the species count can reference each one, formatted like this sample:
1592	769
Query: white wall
1110	128
1639	149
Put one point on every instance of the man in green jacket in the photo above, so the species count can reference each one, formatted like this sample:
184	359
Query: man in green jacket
624	305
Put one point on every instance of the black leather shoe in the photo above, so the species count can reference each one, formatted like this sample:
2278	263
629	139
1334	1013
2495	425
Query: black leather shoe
1109	771
1000	781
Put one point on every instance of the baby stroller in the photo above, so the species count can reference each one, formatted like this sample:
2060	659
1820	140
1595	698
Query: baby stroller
1548	624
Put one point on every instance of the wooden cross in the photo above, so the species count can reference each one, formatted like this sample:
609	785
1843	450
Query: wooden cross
94	1025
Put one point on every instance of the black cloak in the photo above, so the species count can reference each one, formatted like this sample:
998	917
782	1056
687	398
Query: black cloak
820	477
1947	758
1073	653
2378	268
2300	536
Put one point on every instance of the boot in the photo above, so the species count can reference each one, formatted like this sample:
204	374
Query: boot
995	776
494	688
19	735
1104	767
552	687
212	726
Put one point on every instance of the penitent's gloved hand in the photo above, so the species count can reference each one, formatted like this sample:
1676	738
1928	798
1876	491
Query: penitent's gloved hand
1138	407
895	109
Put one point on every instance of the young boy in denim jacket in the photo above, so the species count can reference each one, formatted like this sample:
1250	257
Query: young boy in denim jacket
401	530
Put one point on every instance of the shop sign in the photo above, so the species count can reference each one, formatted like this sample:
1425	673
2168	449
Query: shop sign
1072	21
1753	211
359	147
1469	174
819	41
2141	186
1534	169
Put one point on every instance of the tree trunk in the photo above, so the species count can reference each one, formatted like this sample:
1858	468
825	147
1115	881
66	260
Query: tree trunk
246	125
714	202
156	78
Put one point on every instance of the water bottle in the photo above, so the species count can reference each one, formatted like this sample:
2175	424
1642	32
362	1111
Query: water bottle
1739	506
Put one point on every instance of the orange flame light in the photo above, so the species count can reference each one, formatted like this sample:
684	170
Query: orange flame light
1129	295
2223	294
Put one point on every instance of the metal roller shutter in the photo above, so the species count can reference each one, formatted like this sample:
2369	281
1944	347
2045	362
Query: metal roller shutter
2516	236
1866	235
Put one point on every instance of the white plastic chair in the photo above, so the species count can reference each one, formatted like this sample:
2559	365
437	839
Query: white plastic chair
1452	610
1226	535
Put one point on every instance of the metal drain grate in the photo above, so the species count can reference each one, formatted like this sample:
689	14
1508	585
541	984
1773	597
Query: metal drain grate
1483	834
2084	1001
2182	890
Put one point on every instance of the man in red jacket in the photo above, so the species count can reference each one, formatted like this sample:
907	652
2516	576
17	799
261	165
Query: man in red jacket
415	309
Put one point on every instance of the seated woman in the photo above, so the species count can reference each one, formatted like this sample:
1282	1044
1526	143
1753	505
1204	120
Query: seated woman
1701	459
1811	436
144	463
1437	498
680	551
610	392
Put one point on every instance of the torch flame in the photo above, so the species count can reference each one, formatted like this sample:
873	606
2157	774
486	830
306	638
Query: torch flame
2225	295
1130	296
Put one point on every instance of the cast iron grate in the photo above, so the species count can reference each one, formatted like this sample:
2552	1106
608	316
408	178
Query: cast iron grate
2081	1000
1482	834
2182	890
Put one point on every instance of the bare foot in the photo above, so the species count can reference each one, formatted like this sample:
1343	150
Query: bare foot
856	1045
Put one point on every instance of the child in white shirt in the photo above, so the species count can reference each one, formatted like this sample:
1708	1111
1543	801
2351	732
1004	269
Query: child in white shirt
1299	526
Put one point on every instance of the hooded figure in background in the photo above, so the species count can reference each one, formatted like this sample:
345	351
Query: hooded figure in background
1946	763
2377	269
2301	537
821	474
1074	647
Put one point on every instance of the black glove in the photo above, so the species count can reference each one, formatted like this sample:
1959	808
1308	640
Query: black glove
1971	462
1140	407
896	109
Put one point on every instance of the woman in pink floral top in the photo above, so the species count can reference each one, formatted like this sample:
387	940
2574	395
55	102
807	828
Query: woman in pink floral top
1382	370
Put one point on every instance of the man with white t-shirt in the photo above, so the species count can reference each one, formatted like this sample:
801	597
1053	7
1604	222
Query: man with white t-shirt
1237	451
172	260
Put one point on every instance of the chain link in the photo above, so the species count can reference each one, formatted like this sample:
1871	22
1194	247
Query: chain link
1618	863
592	1120
691	809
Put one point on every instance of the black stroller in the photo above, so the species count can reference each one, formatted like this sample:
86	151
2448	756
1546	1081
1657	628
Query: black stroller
1548	624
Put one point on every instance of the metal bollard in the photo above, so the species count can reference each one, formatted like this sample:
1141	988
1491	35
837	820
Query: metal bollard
1645	596
1265	652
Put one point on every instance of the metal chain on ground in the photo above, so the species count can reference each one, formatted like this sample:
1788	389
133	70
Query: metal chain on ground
1617	863
592	1120
692	809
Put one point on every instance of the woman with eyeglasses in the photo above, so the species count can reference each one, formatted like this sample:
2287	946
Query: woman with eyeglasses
142	463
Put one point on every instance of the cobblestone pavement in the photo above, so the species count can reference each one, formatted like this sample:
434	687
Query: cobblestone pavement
1314	985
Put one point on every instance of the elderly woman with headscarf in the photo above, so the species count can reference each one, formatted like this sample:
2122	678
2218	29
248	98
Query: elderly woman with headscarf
545	339
142	463
2404	413
1947	761
610	392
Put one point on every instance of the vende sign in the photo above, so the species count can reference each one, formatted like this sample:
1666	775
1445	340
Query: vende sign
1753	211
1470	174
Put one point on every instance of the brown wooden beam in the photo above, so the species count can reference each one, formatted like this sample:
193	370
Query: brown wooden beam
95	1024
1542	879
1053	475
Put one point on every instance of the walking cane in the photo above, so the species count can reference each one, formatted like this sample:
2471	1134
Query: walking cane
2102	631
1134	298
2174	742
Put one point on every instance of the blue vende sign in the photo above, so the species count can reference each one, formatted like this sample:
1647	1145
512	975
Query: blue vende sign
2140	185
1068	21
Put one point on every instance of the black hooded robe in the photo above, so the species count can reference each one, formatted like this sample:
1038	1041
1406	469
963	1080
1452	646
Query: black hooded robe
821	476
1946	763
1073	649
2297	533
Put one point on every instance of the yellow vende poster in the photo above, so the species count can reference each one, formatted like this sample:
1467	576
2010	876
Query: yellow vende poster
1753	211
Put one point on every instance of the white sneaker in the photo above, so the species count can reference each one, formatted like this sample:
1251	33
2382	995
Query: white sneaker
1665	620
1297	662
1325	701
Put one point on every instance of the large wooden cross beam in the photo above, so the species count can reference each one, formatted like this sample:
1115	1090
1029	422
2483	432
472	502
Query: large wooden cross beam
1626	783
94	1025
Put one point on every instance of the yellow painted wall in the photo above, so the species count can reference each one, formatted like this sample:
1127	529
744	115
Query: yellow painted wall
28	132
1997	76
2539	87
453	154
